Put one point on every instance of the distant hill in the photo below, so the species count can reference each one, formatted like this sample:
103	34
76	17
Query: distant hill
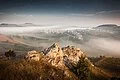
7	39
7	43
108	27
9	25
17	25
28	24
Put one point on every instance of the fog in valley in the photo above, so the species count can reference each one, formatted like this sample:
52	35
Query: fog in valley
94	41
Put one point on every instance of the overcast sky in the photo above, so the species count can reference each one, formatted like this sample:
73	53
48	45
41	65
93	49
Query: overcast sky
68	12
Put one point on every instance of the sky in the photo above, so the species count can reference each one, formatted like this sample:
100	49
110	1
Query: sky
61	12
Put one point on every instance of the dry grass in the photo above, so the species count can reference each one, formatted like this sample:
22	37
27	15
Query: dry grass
110	64
29	70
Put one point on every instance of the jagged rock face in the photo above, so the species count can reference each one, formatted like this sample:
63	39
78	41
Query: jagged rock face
33	55
55	54
72	54
63	57
58	57
54	51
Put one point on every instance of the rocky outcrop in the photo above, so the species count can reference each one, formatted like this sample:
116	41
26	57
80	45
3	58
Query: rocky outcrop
33	55
62	57
72	54
6	39
67	59
55	54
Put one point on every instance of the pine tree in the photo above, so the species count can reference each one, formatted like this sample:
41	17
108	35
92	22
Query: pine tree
81	69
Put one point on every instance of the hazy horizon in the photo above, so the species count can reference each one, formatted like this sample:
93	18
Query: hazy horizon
65	12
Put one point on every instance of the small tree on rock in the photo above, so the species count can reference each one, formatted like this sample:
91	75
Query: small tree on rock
81	69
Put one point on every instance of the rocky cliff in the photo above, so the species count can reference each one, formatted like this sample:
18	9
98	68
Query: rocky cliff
61	57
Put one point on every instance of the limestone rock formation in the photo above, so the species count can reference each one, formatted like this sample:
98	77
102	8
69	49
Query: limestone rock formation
72	54
54	50
62	57
55	54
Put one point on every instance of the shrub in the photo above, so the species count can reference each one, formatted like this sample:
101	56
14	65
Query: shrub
81	69
10	54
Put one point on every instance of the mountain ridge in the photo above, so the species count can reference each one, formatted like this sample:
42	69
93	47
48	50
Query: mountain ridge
65	58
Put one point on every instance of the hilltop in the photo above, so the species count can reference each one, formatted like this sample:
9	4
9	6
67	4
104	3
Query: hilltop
53	63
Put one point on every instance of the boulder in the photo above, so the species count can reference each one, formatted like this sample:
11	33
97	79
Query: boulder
33	55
